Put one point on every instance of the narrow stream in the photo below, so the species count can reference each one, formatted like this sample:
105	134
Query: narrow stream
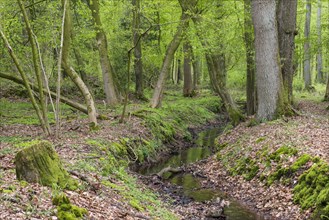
191	184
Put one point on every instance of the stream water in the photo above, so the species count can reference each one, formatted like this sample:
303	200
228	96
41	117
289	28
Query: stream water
191	185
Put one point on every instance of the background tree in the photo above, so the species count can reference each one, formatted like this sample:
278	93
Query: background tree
107	70
250	60
138	64
286	17
92	114
319	76
307	52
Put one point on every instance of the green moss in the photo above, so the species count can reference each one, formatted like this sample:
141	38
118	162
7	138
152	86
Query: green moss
312	190
284	150
245	167
65	210
135	204
40	163
261	139
288	171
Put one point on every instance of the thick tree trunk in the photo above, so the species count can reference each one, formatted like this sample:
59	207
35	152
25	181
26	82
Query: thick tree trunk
37	68
188	84
319	77
286	16
250	59
107	70
268	73
92	114
171	49
307	52
138	65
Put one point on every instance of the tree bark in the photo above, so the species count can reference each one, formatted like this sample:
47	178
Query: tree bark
107	70
138	64
171	49
268	73
307	52
250	59
196	63
188	84
92	114
286	16
37	68
319	77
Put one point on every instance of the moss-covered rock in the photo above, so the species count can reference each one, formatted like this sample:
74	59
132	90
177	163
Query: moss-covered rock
40	163
67	211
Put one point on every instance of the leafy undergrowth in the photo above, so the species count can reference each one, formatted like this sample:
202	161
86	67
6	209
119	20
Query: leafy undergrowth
99	160
279	167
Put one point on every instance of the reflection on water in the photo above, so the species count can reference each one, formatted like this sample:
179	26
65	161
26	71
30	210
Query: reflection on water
191	185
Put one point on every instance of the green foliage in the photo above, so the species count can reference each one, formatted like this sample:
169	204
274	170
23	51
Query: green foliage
175	117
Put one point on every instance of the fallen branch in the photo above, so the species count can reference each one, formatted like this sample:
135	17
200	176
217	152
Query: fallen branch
94	185
63	99
170	170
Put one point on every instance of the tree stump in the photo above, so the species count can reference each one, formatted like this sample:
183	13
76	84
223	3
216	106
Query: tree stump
40	163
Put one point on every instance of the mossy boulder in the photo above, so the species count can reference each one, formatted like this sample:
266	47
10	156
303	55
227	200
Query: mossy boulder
39	163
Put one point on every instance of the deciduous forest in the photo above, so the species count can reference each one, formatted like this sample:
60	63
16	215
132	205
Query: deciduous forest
164	109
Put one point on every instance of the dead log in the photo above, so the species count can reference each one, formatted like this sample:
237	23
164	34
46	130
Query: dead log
63	99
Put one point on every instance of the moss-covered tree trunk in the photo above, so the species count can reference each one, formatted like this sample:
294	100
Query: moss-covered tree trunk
39	163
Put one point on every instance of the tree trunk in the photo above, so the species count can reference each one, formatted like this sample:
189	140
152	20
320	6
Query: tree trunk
107	70
319	77
307	52
217	75
268	73
92	114
250	59
287	12
171	49
188	84
138	65
37	68
196	63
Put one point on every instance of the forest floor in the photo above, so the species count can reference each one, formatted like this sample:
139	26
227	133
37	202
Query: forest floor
120	195
308	133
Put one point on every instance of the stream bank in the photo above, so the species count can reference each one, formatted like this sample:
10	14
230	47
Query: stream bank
185	190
